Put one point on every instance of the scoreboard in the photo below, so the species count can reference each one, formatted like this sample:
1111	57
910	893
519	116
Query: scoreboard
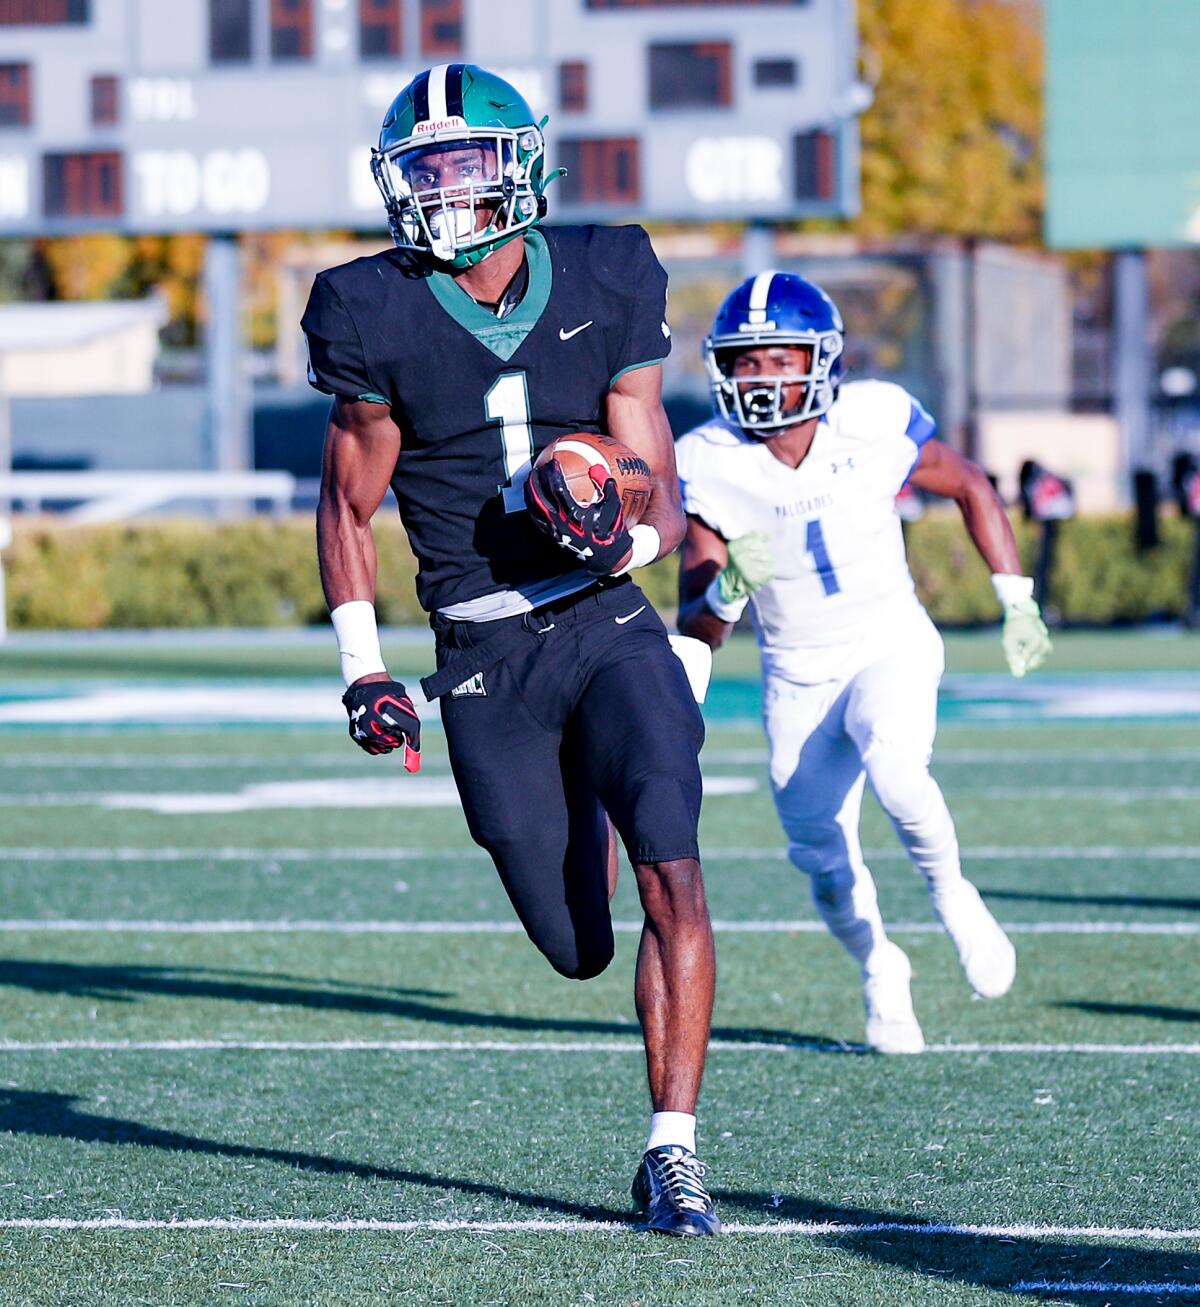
222	115
1123	123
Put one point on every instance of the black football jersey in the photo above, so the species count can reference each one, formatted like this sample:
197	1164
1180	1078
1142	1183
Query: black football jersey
477	397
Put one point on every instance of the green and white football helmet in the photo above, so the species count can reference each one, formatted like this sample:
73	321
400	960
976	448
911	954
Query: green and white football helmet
460	164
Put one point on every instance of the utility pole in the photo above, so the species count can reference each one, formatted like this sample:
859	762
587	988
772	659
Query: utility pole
6	535
758	248
1131	362
230	447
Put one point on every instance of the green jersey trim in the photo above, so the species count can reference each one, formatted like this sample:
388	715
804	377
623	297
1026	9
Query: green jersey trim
633	367
503	336
373	397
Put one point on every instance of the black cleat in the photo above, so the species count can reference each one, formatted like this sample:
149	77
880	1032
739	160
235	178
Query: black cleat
669	1188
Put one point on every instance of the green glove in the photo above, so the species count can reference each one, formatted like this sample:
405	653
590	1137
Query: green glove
751	565
1025	638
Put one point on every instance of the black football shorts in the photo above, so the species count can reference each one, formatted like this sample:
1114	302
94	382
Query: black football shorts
587	710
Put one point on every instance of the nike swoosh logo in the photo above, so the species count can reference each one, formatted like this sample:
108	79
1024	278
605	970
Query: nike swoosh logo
620	621
566	335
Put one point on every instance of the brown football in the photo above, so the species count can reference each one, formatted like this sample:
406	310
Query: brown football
577	453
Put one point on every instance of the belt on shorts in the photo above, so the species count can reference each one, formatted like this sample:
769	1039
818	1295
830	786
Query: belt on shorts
499	638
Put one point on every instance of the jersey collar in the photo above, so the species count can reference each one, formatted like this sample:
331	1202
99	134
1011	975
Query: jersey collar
502	336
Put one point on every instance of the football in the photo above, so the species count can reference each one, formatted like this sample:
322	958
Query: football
577	453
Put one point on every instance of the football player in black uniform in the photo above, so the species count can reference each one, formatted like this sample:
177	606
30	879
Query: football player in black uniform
453	360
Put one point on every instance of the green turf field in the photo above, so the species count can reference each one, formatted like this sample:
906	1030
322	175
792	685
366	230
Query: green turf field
263	1054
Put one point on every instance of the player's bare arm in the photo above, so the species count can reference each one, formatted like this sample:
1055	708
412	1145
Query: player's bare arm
943	471
704	555
362	444
636	417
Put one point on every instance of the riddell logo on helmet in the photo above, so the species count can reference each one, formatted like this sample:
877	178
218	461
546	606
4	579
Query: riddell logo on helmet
438	125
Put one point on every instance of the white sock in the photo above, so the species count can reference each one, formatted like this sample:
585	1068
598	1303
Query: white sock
672	1128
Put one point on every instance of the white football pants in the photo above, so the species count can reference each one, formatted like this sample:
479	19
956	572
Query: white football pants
825	741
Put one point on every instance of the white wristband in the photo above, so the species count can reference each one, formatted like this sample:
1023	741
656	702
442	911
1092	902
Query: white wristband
357	639
726	610
1012	589
646	544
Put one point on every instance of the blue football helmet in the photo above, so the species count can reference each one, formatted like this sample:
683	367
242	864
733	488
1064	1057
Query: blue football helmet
774	308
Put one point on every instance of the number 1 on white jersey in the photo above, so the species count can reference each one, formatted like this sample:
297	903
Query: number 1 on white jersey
814	543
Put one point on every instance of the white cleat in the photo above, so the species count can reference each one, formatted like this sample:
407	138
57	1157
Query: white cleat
892	1025
985	952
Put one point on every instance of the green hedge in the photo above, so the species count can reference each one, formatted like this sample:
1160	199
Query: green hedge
262	572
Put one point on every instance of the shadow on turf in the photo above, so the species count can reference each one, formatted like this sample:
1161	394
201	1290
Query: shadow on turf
127	984
1156	1011
55	1116
985	1260
989	1261
1096	900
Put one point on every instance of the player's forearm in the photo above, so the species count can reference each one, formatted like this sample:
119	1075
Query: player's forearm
345	552
665	514
659	532
989	528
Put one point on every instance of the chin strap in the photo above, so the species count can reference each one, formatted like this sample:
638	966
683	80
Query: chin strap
469	258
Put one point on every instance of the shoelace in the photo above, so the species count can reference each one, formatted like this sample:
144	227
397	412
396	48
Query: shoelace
683	1179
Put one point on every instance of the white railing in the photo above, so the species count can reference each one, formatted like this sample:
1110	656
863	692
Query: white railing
114	496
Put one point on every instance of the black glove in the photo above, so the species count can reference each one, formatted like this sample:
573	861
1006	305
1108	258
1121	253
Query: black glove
382	718
594	533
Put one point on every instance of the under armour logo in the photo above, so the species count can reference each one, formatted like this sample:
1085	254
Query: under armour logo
567	543
836	467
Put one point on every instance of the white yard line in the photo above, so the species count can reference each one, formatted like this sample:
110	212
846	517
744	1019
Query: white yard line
734	757
997	853
44	854
991	757
384	789
1102	794
1105	1286
812	1229
549	1046
178	762
113	925
348	791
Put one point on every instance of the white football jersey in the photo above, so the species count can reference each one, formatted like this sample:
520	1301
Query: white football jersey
841	577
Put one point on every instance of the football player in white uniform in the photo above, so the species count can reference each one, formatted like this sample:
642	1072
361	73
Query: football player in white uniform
790	493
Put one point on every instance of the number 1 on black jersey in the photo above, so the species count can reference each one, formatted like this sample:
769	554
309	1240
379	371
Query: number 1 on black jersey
507	402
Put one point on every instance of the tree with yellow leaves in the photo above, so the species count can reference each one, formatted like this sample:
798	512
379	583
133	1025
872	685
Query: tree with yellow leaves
952	143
